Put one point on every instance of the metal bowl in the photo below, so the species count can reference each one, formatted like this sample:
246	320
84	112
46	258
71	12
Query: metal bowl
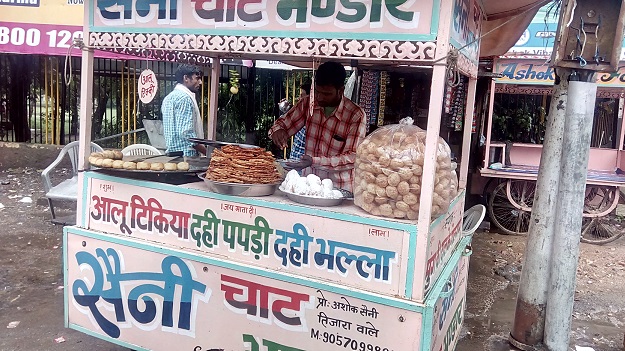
312	201
236	189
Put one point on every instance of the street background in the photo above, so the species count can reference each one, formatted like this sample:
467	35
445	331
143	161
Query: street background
31	275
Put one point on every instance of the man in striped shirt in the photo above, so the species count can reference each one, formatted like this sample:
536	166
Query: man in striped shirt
181	115
335	126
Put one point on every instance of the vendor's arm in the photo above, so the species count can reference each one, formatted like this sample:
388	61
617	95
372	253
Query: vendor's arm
355	135
289	124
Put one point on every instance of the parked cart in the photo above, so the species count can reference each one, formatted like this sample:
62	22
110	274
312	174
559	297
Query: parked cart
512	168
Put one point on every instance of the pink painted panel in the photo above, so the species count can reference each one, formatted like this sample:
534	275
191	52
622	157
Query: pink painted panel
621	163
525	154
160	301
529	155
602	159
444	236
43	39
354	254
449	311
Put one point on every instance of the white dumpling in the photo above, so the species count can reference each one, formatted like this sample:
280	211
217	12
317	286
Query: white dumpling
300	187
327	194
290	184
313	179
337	194
327	184
315	190
292	175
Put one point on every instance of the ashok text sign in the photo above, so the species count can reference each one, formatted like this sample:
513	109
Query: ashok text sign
538	72
343	19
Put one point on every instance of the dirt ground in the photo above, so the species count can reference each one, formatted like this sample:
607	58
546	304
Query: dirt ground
31	277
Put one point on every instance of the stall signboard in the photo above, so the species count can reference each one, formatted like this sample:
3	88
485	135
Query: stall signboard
146	296
364	256
40	27
538	72
446	233
355	19
466	26
449	309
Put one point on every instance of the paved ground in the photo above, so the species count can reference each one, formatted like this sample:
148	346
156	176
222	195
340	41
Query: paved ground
31	275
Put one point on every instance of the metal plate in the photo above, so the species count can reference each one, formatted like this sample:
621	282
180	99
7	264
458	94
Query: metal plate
236	189
315	201
195	166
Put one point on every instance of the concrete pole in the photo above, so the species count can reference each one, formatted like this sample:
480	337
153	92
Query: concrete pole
529	317
568	217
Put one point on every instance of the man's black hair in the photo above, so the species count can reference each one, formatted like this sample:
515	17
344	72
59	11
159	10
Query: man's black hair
331	73
306	86
186	70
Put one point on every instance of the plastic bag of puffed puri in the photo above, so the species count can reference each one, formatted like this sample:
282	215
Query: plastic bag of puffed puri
389	168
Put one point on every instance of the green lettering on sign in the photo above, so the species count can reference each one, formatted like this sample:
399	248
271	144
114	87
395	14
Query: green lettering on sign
285	9
326	11
360	8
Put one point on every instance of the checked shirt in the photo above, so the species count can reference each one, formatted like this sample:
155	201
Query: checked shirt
178	123
331	141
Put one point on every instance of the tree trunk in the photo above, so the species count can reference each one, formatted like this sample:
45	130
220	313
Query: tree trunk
98	115
18	96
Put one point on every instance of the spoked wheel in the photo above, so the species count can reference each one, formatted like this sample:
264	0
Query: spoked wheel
512	214
600	224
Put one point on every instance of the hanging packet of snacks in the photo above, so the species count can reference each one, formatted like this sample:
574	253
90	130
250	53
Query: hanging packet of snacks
389	168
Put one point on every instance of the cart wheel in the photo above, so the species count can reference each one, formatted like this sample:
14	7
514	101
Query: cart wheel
509	218
603	227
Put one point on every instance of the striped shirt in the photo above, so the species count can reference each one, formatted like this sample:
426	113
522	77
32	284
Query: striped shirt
299	145
178	123
330	141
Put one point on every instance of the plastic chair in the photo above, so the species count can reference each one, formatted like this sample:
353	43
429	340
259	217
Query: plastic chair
472	219
68	189
140	150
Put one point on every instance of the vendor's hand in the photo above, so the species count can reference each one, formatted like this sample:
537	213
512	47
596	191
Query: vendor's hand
306	161
280	138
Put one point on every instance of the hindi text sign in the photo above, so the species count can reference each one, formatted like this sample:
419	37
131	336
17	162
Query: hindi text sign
148	86
380	19
150	297
302	244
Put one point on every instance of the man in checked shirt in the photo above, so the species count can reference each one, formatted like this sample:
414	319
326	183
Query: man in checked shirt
334	128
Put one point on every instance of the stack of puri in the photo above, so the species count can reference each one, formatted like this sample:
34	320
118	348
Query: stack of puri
234	164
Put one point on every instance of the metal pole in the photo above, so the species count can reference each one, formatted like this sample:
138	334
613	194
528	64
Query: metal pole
214	95
568	217
529	317
86	114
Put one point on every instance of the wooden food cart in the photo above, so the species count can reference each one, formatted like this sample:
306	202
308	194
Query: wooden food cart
156	266
529	79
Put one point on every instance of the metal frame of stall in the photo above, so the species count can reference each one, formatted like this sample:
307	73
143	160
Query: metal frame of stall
431	48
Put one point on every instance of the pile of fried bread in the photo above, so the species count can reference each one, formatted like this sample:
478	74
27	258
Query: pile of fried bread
114	159
235	164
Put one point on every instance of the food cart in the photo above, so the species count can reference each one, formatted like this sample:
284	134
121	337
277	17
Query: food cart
512	182
157	266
